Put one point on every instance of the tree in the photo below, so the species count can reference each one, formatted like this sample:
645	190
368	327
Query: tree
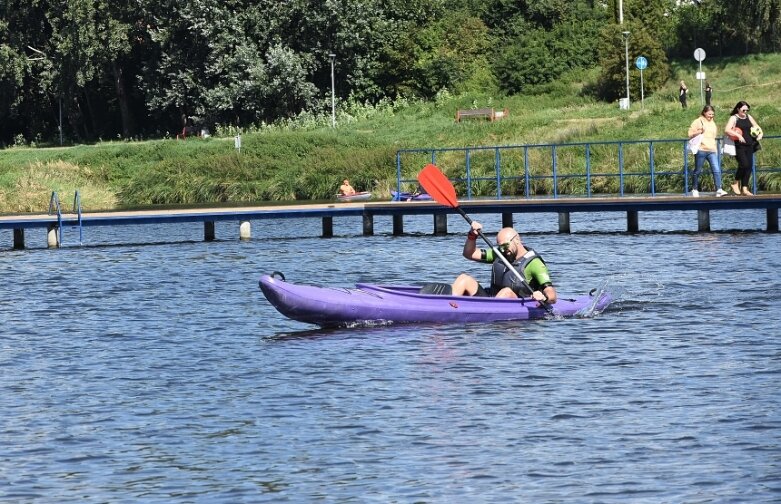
452	53
529	53
612	57
12	71
85	40
751	23
154	66
27	74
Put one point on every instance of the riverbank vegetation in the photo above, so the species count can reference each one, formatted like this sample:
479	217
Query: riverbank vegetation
305	159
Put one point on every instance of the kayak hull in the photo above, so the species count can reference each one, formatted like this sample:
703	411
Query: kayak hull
359	196
408	196
368	303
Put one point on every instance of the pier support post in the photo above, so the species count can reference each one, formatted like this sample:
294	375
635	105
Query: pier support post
208	231
507	219
632	221
18	238
564	222
368	224
398	225
328	227
245	230
703	220
52	237
772	220
440	224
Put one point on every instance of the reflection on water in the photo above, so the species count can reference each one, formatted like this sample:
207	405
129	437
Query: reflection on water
159	373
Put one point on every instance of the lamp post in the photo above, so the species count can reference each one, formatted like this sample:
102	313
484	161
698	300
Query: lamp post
333	92
626	55
59	126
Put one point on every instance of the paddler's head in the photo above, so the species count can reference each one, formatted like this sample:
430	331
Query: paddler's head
508	241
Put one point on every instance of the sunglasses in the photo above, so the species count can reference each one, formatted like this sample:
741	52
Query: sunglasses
504	247
745	109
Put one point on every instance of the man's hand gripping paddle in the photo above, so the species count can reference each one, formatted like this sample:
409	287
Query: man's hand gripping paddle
439	187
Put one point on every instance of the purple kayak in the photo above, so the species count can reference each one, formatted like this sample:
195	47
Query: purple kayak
369	303
408	196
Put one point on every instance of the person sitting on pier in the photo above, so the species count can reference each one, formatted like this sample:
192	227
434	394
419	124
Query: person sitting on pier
346	189
504	283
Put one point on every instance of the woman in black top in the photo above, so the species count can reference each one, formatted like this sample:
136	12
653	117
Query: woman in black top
745	145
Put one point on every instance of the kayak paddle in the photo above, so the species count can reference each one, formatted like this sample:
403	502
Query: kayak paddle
439	187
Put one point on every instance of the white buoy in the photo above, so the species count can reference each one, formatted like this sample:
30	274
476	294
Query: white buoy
245	230
52	237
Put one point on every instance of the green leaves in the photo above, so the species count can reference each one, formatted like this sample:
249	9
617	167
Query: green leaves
150	67
641	42
530	55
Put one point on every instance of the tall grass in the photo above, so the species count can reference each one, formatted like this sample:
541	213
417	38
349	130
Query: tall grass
306	159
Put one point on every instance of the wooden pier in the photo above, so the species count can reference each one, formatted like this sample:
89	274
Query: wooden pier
563	207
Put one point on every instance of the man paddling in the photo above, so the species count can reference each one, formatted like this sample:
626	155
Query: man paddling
505	283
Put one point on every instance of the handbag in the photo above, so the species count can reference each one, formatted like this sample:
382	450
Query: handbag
728	147
694	143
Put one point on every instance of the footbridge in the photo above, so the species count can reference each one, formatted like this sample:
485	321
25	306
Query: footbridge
561	208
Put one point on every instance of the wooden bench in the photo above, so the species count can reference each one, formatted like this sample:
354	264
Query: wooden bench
482	113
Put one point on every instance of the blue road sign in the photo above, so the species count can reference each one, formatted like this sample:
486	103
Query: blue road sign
641	63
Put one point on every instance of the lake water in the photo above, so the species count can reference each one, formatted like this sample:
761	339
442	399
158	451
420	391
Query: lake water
146	366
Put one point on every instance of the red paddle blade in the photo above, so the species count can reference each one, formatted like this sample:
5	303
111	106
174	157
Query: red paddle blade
438	186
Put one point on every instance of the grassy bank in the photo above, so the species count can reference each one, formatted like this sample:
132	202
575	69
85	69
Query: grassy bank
303	163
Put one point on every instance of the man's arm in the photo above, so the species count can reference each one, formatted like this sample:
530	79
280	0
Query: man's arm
550	293
541	276
471	250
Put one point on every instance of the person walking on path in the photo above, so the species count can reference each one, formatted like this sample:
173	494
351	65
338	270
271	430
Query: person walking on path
708	93
682	94
705	125
739	126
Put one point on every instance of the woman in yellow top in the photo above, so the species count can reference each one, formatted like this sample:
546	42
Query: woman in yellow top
706	126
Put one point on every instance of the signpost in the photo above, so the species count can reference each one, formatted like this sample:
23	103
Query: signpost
333	92
699	55
641	63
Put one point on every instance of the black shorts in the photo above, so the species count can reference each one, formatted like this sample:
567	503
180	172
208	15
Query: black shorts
481	292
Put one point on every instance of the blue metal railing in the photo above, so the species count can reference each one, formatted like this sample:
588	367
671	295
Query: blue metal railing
54	206
662	159
77	211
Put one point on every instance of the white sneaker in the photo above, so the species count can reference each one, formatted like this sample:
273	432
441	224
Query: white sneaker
720	193
695	193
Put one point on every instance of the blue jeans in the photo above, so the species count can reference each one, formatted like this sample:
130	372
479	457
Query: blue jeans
713	161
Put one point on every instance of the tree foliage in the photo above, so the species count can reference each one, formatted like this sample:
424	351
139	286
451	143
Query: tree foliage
612	81
152	67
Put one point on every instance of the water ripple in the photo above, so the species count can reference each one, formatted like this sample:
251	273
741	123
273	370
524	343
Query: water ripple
158	373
